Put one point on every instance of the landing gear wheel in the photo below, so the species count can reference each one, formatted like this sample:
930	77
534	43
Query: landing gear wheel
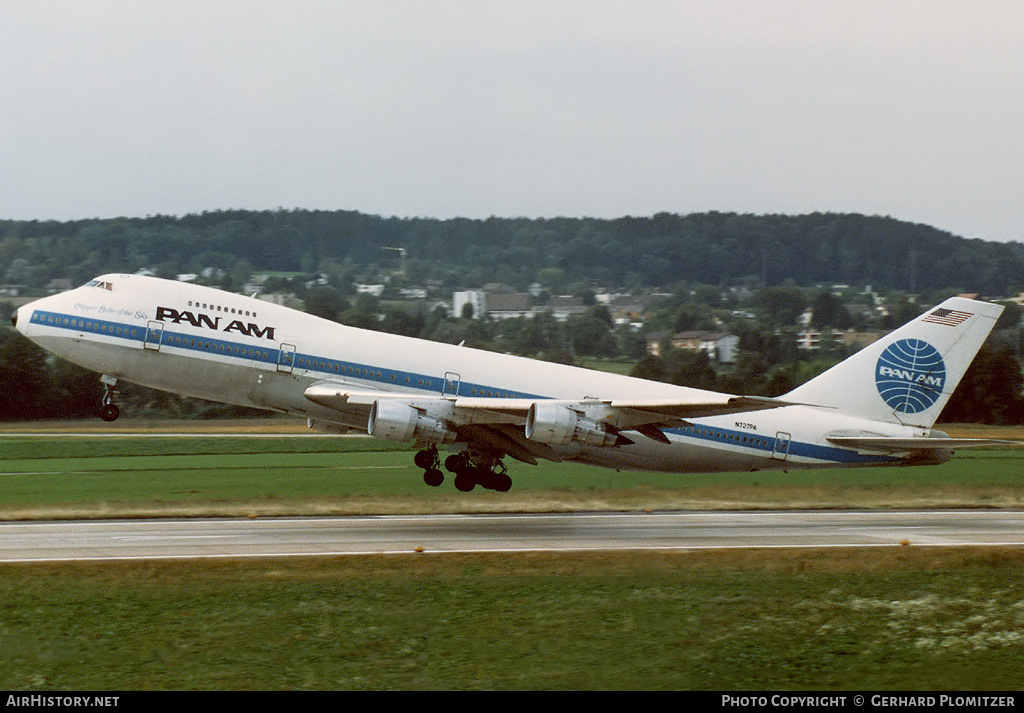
433	477
425	459
502	482
487	472
455	463
464	482
110	412
429	460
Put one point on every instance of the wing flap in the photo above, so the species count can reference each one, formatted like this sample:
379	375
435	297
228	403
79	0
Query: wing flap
510	439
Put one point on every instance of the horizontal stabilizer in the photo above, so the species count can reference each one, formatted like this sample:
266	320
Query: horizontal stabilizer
902	445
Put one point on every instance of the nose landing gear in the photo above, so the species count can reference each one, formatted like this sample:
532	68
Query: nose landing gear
109	411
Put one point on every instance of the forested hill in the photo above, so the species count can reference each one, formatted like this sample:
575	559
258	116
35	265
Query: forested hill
657	251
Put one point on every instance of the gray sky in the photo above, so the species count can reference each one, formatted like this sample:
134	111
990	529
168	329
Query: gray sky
442	108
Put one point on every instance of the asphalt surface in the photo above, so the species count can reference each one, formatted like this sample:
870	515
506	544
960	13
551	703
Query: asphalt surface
323	536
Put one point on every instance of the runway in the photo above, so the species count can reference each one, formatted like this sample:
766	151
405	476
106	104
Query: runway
337	536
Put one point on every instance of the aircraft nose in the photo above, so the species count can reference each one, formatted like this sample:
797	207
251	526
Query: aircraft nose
14	318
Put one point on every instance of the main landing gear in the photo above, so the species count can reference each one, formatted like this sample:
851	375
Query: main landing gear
486	471
109	411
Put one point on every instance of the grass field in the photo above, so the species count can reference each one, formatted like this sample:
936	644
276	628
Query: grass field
877	619
736	621
277	473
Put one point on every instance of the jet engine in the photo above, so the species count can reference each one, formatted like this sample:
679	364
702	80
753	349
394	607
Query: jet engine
558	425
397	421
317	424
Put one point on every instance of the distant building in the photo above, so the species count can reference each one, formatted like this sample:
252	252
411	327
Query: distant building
58	285
627	309
860	311
562	307
811	339
477	299
375	290
719	346
281	298
808	340
503	305
508	305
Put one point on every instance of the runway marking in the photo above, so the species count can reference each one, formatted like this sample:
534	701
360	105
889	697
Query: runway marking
143	434
203	468
148	538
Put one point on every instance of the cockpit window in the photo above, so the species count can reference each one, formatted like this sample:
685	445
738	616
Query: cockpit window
99	283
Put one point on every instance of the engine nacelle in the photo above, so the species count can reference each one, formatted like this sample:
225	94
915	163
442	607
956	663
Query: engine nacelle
316	424
396	421
558	425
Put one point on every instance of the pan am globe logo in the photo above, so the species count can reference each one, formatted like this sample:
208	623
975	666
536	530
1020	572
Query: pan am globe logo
910	375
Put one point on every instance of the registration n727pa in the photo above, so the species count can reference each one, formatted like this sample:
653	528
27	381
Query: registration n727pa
876	408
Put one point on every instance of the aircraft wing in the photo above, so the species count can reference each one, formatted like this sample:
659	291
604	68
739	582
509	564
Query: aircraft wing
342	396
646	416
675	409
502	410
903	445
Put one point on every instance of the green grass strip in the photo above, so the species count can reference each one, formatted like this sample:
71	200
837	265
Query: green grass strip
839	620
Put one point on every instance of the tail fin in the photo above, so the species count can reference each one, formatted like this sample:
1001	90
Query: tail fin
907	376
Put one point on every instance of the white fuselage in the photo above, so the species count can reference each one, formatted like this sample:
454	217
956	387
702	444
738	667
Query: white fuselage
202	342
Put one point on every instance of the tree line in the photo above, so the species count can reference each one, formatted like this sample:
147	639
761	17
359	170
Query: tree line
630	252
707	267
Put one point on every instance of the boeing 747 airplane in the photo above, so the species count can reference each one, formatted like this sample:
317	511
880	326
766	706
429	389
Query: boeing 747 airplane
876	408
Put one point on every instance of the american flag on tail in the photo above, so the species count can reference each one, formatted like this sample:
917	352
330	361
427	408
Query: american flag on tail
948	317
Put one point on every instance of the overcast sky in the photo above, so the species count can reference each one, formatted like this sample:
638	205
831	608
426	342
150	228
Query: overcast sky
443	108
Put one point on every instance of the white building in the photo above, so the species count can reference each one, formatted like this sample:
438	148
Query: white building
477	299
